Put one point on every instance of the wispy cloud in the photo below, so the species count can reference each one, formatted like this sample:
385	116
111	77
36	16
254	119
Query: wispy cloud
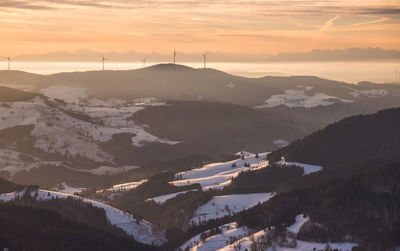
270	7
225	25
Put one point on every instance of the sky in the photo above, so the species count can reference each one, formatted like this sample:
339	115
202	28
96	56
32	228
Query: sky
227	26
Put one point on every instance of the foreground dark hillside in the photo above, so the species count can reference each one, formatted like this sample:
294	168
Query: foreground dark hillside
350	140
8	186
27	228
363	209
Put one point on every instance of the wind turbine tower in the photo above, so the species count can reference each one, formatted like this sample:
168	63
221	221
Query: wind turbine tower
8	62
204	60
144	63
174	56
103	59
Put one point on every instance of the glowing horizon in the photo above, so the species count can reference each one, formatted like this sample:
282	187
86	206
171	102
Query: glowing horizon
235	26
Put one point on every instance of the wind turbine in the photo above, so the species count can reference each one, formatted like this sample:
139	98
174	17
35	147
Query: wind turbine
204	59
144	63
174	56
103	59
9	62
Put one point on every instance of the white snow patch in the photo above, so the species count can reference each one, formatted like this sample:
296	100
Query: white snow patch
228	232
64	188
243	153
220	206
149	101
66	93
297	98
308	246
110	170
163	198
126	186
281	142
20	113
307	167
218	175
246	242
300	220
58	131
372	93
306	87
12	162
143	136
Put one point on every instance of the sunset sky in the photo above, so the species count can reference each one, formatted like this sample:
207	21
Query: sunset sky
229	26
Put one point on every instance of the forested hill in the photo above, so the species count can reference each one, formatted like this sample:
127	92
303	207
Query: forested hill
13	95
375	136
8	186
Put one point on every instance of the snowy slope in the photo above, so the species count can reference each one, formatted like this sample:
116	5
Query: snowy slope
307	246
163	198
300	220
118	189
298	98
307	167
218	175
219	206
64	128
126	186
229	232
260	237
144	232
12	162
64	188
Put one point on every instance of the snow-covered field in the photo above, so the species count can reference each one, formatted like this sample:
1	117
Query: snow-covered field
109	170
126	186
73	130
14	162
302	98
307	167
300	220
281	142
64	188
117	189
218	175
298	98
163	198
307	246
371	93
229	232
260	236
220	206
65	93
144	232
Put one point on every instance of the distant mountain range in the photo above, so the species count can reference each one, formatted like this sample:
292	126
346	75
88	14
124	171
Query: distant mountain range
164	117
87	55
158	143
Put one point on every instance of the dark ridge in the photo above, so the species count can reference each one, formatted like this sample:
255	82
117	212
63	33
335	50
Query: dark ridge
169	66
348	140
13	95
8	186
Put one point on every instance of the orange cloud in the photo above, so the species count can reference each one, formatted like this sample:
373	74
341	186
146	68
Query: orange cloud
235	26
